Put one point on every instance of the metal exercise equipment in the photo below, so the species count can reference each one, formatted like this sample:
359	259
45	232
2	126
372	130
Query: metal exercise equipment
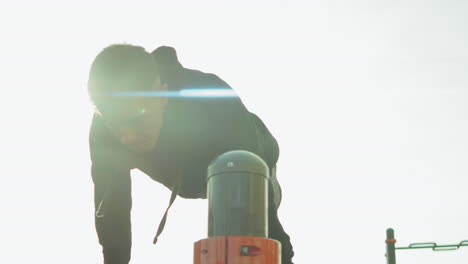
237	195
391	246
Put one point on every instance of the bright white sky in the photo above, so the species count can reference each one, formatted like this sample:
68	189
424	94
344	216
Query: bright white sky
366	98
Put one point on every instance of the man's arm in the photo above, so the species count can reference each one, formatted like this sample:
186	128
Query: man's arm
112	195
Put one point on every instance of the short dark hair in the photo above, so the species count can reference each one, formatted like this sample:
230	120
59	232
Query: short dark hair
120	67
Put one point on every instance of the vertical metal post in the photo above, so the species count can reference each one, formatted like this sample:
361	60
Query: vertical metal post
390	246
237	192
238	195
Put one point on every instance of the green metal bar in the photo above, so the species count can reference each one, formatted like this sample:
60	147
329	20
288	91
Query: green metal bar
390	246
434	246
423	245
446	248
419	245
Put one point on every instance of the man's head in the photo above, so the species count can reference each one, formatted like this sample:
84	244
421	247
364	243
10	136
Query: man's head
136	120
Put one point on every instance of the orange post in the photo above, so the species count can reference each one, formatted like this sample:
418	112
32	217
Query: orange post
237	250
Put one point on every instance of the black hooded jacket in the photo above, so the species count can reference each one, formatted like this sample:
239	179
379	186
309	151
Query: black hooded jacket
195	131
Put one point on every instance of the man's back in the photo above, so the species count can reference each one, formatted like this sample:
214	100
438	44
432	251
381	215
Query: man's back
195	129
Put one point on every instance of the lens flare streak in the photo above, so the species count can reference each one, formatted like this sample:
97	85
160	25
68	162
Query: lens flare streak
185	93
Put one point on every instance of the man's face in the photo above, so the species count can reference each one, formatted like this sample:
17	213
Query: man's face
137	121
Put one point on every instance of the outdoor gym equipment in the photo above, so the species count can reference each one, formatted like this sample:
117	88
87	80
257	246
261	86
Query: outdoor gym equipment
391	246
237	195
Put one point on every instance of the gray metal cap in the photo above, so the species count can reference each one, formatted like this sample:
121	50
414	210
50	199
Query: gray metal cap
238	161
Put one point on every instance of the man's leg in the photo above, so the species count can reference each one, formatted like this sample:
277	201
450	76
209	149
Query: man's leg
276	230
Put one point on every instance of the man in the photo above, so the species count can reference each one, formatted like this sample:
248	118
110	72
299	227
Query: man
141	123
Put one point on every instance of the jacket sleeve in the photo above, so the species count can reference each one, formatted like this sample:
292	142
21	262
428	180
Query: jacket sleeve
112	194
241	128
226	122
267	142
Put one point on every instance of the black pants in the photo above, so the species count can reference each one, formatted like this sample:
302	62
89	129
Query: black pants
276	230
